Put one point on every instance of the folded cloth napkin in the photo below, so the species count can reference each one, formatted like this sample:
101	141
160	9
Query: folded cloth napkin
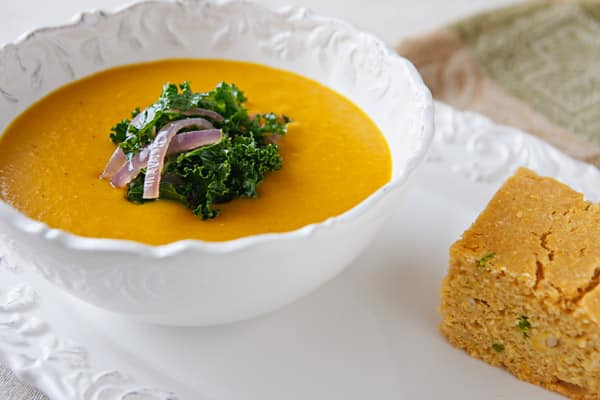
535	66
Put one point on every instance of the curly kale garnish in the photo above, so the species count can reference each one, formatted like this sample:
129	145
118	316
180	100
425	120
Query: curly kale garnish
212	174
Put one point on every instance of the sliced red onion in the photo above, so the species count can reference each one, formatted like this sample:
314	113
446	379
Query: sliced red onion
199	123
137	119
115	163
118	158
191	140
202	112
131	168
142	118
158	151
182	142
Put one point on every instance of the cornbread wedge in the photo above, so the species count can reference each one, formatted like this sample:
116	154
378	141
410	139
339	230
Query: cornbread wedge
522	290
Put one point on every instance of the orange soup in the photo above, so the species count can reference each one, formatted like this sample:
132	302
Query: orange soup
51	156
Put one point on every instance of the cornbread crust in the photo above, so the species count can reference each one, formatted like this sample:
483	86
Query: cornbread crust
522	289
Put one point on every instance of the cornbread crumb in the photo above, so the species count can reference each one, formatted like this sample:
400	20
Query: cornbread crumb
522	289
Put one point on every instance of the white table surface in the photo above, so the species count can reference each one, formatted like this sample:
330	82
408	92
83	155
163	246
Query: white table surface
391	20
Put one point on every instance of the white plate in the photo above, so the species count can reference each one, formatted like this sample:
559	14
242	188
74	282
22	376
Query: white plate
369	334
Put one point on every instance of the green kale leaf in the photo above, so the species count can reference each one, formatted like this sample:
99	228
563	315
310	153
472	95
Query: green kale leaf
118	133
206	176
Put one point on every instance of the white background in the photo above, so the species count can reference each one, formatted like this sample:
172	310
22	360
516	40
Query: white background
389	19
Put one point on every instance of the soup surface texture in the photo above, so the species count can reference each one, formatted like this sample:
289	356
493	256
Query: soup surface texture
52	155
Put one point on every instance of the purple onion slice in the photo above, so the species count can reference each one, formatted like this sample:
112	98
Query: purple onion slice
131	168
182	142
115	163
142	118
158	151
191	140
202	112
118	158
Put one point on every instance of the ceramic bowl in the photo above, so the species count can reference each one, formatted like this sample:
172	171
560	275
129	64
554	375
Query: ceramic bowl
201	283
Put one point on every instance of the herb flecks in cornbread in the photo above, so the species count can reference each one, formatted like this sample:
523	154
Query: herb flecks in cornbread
534	306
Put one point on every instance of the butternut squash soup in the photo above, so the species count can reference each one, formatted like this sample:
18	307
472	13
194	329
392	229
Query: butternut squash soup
53	155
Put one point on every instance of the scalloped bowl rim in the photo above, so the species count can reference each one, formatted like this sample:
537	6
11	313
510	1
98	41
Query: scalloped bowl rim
76	242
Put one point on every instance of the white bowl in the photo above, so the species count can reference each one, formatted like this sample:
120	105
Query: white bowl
201	283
